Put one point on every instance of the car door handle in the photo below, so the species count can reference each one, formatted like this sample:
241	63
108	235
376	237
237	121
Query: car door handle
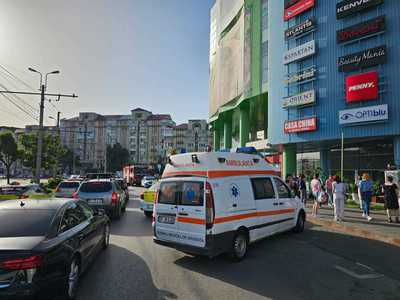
182	213
276	203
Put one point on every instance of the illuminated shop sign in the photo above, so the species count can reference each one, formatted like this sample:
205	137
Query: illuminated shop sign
293	126
349	7
362	87
300	29
360	30
300	99
363	59
299	52
301	76
364	114
297	8
289	3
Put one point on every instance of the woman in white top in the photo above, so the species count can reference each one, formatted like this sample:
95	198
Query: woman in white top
339	191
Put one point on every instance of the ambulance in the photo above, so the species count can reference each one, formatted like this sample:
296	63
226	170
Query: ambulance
220	202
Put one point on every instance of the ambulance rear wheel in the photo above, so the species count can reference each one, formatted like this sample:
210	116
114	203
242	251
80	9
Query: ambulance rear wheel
148	214
239	246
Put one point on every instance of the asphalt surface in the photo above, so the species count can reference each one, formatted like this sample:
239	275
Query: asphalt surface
316	264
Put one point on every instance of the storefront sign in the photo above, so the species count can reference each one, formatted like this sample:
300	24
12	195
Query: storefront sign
299	52
260	134
259	145
300	99
303	27
301	76
364	114
349	7
297	8
309	124
289	3
363	59
362	87
360	30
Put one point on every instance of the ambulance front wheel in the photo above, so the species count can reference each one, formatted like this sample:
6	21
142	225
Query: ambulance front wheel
239	246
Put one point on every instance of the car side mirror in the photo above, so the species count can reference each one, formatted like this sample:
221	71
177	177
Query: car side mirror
100	212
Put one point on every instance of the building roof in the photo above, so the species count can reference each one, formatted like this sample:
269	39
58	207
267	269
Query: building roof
182	126
140	109
159	117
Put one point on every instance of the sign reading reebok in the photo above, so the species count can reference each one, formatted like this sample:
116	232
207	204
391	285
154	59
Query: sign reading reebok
364	114
301	76
364	59
362	87
360	30
300	52
303	125
349	7
300	29
297	8
299	99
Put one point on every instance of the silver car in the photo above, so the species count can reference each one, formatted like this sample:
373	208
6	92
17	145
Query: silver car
66	189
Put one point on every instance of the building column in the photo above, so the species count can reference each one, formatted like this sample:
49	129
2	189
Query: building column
324	163
396	150
244	126
289	161
228	130
217	137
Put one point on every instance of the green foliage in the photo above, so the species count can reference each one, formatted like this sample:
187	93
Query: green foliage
52	183
353	188
9	152
67	161
117	157
377	189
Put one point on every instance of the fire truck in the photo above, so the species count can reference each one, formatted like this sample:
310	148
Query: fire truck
133	174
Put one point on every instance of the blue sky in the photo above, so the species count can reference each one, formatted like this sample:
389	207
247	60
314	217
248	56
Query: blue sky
116	55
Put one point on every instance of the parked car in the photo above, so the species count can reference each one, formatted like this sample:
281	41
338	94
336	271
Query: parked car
148	181
123	186
105	194
147	199
66	189
48	244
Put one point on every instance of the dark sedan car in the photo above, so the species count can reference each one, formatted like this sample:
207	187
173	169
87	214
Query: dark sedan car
47	244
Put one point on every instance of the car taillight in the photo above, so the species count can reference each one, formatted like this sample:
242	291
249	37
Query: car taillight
32	262
156	197
210	210
114	198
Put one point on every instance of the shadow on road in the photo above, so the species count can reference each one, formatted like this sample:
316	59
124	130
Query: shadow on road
132	223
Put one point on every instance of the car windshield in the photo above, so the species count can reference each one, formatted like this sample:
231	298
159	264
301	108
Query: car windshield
24	222
96	187
69	185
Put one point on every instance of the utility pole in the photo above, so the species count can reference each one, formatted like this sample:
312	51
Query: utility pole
58	119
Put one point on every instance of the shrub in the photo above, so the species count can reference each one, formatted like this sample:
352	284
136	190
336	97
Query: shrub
53	182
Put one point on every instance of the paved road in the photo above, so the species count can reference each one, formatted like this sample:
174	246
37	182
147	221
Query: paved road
317	264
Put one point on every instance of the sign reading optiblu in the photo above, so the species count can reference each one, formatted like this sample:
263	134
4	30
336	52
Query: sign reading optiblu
364	114
299	52
299	99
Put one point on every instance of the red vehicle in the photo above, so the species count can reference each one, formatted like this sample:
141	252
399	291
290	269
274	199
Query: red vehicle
133	175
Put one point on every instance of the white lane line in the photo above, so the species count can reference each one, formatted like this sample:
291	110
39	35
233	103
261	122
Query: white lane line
358	276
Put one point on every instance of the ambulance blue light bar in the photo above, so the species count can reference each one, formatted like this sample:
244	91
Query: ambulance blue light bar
247	150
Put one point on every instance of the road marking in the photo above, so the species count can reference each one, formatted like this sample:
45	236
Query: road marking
358	276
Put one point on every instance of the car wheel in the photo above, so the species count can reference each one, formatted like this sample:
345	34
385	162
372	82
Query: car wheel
239	246
72	279
301	220
148	214
118	212
106	240
124	207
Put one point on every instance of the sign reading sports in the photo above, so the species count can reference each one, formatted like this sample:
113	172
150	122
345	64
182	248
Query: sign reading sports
303	125
362	87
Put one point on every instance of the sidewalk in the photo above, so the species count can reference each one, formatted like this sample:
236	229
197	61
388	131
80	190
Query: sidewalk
354	224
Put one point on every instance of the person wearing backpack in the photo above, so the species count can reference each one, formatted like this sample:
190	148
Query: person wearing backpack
339	196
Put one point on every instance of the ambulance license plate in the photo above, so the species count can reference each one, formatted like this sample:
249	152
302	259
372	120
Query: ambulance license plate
166	219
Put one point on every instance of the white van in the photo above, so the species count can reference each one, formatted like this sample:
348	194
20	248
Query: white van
218	202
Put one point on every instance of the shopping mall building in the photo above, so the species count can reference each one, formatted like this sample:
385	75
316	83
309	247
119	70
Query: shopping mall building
331	73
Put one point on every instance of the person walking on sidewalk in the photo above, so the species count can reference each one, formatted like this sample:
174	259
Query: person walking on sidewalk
316	188
329	189
366	195
358	181
303	188
390	190
339	192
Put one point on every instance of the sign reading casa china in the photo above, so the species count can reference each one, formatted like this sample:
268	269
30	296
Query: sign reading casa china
300	29
297	8
293	126
361	29
349	7
364	114
299	99
300	52
300	76
362	87
363	59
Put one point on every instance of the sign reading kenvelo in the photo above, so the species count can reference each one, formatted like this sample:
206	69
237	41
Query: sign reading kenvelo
300	29
361	29
348	7
297	8
300	99
364	114
301	76
299	52
362	87
363	59
293	126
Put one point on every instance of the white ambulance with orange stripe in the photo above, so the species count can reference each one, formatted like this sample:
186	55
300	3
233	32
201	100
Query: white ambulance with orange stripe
220	202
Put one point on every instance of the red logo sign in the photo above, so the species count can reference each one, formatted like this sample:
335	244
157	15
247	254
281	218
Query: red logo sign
297	9
309	124
362	87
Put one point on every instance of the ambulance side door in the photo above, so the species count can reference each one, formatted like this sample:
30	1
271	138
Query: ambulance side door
287	206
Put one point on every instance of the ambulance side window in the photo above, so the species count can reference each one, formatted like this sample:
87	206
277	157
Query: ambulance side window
263	188
283	190
168	193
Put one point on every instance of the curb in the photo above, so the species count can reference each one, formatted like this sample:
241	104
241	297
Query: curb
355	231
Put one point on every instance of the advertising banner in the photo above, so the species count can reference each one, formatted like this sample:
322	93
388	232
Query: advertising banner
303	125
362	87
299	99
364	114
361	29
300	29
297	8
363	59
349	7
299	52
300	76
289	3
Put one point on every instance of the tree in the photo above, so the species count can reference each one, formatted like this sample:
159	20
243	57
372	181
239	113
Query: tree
117	157
9	152
67	161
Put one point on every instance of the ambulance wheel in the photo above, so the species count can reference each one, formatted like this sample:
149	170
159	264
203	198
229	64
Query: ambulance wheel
148	214
301	220
239	246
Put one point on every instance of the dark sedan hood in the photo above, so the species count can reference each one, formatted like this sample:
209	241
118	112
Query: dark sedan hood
20	243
